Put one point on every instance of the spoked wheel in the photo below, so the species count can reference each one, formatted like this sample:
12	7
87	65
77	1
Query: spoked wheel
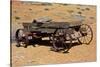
19	37
85	34
59	41
68	37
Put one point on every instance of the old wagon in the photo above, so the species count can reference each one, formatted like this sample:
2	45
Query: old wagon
59	33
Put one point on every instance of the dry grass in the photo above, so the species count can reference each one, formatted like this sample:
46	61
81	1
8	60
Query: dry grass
26	12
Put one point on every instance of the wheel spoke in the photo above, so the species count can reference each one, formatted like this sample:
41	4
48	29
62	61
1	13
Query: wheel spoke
61	39
86	34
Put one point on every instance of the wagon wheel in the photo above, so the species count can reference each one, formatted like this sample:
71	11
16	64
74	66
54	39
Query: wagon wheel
19	34
21	38
85	35
60	39
68	36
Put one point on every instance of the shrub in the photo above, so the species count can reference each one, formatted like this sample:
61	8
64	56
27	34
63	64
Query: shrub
46	4
78	8
91	17
17	17
65	4
87	9
79	12
30	9
46	9
70	11
82	9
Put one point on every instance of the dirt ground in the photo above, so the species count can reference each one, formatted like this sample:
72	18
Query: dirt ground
41	54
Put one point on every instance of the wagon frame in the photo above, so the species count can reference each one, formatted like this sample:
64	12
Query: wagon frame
62	32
